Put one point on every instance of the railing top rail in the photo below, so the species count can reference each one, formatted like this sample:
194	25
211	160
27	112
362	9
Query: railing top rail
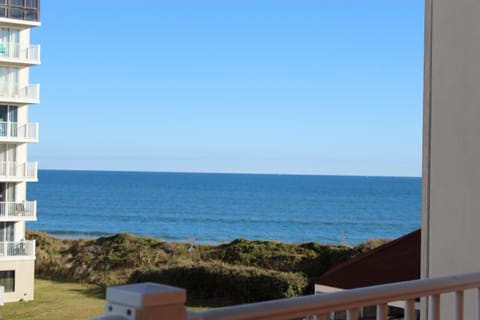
18	163
18	44
18	123
17	242
315	304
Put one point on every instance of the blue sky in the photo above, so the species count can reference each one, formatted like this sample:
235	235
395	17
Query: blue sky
309	87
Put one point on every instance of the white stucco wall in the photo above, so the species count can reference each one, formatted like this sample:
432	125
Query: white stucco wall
23	265
24	279
451	173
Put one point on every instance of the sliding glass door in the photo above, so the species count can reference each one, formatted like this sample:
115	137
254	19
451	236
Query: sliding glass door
8	81
8	121
10	42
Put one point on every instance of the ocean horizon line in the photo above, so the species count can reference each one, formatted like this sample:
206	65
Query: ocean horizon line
230	173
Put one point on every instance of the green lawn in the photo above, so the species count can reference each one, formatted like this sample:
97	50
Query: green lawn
57	300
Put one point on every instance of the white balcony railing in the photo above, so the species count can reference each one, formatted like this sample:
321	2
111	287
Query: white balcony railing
16	211
15	52
17	94
154	301
18	171
17	248
23	132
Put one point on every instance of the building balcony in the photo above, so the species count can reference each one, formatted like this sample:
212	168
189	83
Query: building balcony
18	171
17	249
20	95
156	301
21	12
15	53
18	211
18	132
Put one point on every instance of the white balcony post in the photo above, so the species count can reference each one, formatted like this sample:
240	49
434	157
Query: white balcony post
352	314
382	311
145	301
33	249
478	303
35	170
435	307
410	309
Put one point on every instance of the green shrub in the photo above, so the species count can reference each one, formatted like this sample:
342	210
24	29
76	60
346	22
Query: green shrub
242	270
312	259
219	280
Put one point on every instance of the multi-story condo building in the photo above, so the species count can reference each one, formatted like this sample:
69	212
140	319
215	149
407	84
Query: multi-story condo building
17	55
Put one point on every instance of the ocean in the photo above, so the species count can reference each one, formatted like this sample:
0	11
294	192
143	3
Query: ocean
217	208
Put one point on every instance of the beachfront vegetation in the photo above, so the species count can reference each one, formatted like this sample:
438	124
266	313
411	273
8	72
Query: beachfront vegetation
235	272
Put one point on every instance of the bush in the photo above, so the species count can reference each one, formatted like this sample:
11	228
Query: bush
219	280
312	259
242	270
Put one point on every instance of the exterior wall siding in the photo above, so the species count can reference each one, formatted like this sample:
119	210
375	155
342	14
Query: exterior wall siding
24	280
451	174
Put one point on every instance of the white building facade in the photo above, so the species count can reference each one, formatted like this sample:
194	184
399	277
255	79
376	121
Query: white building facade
17	55
451	162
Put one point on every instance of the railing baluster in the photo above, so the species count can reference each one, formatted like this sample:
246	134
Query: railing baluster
435	307
382	311
352	314
410	309
478	303
459	305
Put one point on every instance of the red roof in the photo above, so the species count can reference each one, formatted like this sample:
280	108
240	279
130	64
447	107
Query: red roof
397	260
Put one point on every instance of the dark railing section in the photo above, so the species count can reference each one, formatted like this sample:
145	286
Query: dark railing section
28	10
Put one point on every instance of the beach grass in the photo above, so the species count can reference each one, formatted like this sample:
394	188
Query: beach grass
58	300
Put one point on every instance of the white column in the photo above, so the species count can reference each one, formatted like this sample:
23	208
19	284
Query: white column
146	301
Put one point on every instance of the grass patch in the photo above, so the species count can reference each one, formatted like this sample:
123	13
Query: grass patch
58	300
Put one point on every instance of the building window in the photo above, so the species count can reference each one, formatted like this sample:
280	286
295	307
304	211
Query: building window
17	3
16	13
32	4
8	81
7	231
31	15
7	280
20	9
